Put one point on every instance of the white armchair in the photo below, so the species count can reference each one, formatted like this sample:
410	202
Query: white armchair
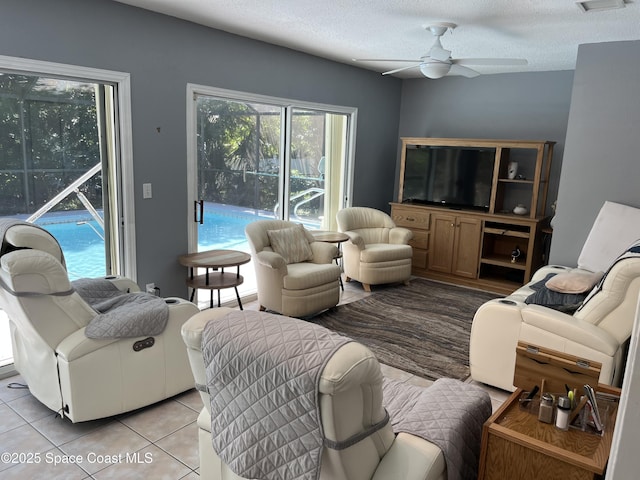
377	251
295	274
79	377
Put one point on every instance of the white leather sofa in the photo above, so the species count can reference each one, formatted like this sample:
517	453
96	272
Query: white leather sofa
377	251
350	391
597	331
296	276
82	378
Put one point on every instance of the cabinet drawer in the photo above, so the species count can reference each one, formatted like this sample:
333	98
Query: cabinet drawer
420	239
419	259
410	217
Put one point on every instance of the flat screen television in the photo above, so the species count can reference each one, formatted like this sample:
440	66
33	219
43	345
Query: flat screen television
455	177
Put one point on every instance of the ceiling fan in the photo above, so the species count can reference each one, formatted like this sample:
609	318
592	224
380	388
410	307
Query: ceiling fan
437	62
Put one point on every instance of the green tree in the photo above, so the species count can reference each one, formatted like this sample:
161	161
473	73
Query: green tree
48	138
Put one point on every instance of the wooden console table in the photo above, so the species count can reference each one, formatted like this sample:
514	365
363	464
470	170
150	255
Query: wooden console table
216	260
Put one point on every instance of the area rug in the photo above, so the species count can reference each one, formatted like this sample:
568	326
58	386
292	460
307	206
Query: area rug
422	328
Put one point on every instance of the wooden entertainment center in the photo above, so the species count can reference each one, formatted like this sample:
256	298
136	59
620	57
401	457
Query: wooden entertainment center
474	247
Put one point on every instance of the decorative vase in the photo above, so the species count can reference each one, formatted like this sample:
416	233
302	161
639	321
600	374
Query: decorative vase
520	209
512	170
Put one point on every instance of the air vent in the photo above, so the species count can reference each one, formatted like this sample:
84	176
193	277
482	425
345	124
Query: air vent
599	5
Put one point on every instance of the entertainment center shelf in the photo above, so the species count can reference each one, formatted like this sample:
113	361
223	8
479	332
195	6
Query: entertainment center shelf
456	196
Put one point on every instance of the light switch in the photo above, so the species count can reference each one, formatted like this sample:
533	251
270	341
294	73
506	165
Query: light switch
146	190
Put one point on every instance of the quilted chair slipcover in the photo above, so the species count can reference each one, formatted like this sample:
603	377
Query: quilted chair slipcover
350	401
377	251
82	378
295	289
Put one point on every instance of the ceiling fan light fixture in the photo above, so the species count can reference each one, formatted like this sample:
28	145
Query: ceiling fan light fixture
435	70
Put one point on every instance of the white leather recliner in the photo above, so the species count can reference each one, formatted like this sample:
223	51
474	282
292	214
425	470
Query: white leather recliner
597	331
377	251
350	400
82	378
296	283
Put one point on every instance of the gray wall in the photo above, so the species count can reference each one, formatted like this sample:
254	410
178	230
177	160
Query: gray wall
524	106
602	162
602	147
163	54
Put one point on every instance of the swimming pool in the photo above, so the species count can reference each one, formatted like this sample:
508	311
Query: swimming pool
80	238
224	225
83	247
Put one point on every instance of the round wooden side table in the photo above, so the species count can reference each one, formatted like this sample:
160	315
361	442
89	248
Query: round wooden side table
216	260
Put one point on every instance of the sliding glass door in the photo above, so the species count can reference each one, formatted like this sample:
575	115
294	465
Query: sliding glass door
256	158
238	169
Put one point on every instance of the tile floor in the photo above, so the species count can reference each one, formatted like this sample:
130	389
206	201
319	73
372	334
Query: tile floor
132	445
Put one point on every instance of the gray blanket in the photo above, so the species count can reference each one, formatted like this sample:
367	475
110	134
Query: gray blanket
263	372
121	314
449	414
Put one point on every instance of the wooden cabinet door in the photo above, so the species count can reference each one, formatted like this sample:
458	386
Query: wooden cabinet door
466	249
443	229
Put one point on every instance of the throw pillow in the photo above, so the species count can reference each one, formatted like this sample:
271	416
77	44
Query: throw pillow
573	282
291	243
542	283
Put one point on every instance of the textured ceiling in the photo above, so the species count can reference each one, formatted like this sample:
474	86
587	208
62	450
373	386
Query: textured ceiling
544	32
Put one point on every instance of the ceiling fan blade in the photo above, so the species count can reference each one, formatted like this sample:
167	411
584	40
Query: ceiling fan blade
390	72
439	53
463	71
384	60
490	61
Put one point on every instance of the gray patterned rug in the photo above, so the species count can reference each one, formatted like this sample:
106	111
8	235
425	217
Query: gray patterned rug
422	328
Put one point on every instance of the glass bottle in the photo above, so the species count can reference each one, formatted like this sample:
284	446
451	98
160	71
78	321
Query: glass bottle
545	413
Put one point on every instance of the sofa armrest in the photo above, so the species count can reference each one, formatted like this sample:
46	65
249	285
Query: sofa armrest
192	328
323	252
494	337
78	344
411	458
271	260
400	235
571	328
546	270
356	239
192	336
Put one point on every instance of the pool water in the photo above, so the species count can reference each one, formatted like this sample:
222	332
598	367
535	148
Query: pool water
223	227
82	246
80	237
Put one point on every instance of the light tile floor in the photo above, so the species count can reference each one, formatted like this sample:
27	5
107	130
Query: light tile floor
158	442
